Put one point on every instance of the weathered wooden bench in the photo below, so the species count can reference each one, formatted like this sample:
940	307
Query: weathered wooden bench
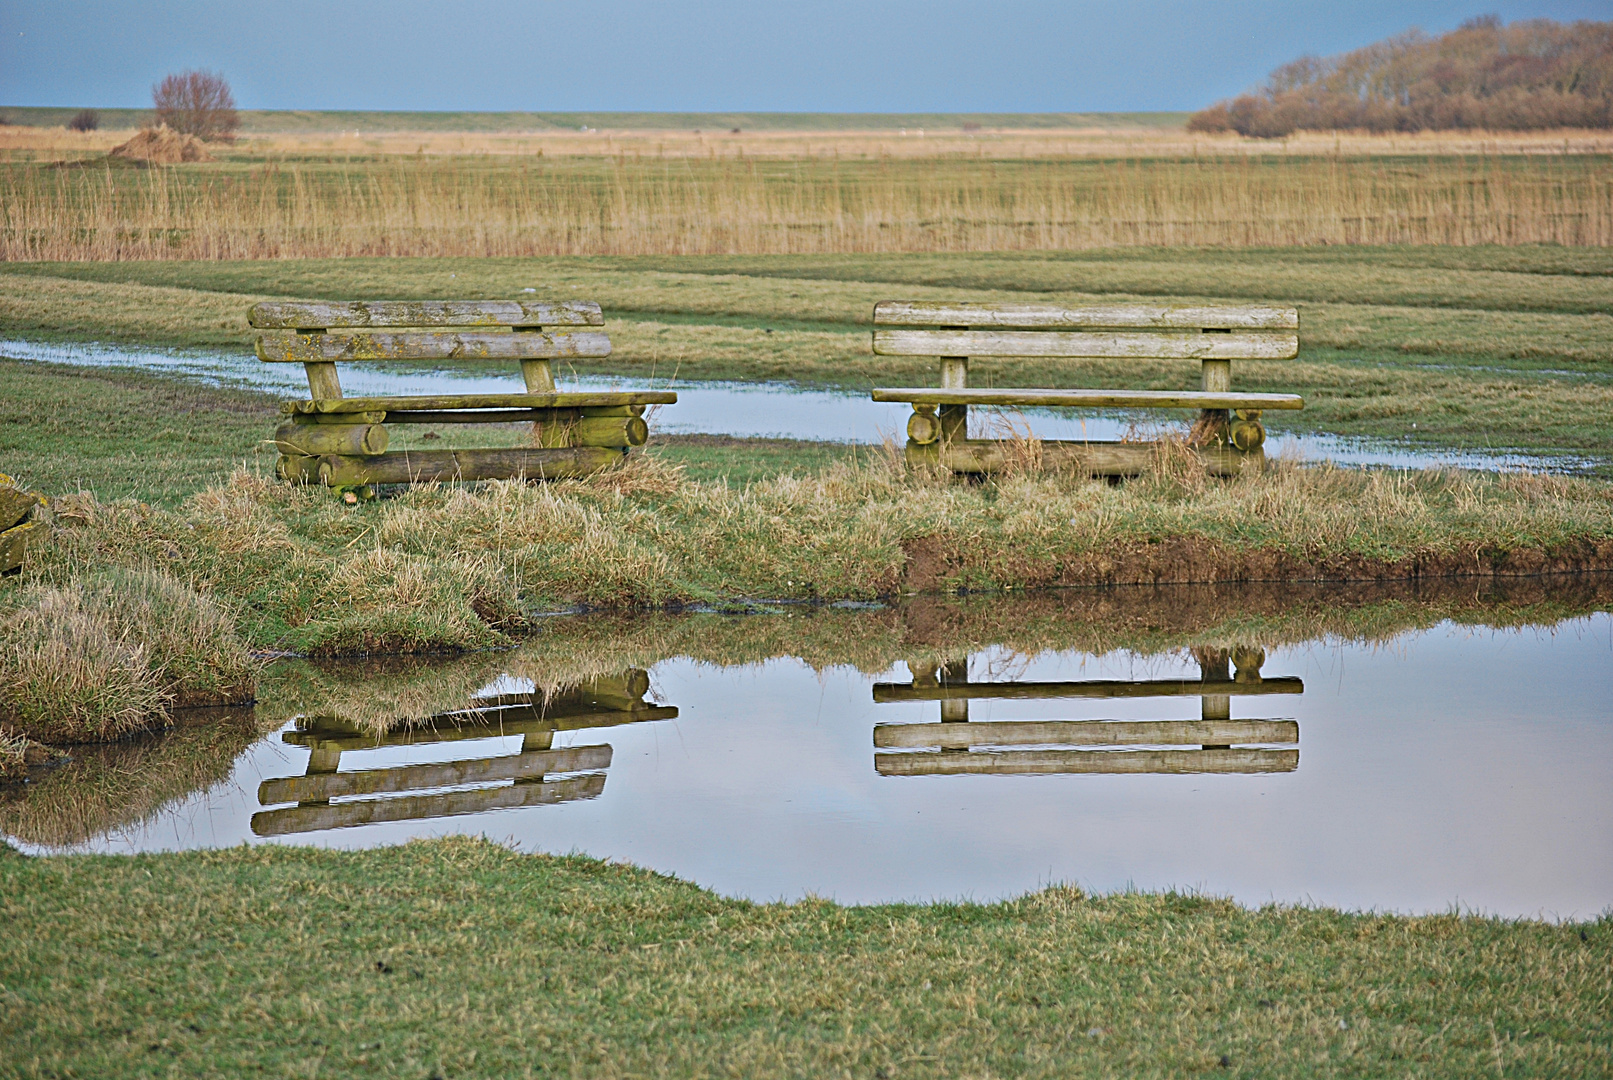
342	441
1227	438
1214	743
540	773
17	523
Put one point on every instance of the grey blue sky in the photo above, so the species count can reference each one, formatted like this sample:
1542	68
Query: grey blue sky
673	55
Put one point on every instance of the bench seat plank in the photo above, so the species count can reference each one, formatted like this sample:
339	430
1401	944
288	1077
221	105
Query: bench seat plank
531	765
956	736
1088	688
1091	399
1020	762
560	399
1051	317
293	348
299	315
1095	345
345	815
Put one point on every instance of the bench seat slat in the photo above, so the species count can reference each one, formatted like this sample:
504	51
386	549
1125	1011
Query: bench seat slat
1053	317
557	400
1081	733
293	315
293	348
1087	345
531	765
1019	762
1091	399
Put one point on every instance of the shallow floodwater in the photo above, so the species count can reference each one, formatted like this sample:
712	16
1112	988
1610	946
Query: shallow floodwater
765	410
1428	769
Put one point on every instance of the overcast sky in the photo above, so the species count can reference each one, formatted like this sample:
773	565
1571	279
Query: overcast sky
674	55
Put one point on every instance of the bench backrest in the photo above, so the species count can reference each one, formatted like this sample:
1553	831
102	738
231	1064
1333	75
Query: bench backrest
1143	331
318	335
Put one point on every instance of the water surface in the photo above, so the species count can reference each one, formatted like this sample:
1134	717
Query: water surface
1407	762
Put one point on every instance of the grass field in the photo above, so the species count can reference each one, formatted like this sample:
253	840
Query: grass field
1479	348
459	958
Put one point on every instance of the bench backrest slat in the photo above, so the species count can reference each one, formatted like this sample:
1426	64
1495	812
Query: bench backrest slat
423	314
1097	316
347	345
1087	345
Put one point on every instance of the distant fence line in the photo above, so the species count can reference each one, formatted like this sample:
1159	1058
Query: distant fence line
438	207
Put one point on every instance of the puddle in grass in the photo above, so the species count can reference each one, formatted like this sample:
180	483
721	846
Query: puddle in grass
1413	749
766	410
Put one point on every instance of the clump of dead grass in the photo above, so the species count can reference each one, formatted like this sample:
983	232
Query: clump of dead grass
112	653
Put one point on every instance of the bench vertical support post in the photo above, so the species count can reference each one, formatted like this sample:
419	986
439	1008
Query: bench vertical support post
322	381
955	710
954	418
538	375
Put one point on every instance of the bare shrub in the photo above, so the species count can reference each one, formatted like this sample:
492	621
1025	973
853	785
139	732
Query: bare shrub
85	120
1532	75
197	103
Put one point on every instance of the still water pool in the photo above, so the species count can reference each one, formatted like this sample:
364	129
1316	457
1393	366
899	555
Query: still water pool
1413	750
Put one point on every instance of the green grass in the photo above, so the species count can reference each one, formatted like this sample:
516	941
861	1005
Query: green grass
444	568
457	958
1479	348
121	434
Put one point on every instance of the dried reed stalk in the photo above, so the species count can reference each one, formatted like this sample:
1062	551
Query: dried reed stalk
462	207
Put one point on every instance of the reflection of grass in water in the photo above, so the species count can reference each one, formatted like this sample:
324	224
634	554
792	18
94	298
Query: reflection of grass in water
564	651
120	785
377	694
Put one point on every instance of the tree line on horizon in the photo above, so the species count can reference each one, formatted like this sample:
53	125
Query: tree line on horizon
1530	75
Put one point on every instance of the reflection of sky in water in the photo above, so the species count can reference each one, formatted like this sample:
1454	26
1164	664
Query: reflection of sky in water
752	409
1453	766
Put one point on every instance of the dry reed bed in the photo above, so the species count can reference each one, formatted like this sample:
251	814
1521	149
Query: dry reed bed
623	205
999	144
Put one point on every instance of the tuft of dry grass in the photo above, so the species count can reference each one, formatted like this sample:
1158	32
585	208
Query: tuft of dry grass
111	653
439	568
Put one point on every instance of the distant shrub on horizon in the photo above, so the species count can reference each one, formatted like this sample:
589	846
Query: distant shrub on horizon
196	103
84	120
1530	75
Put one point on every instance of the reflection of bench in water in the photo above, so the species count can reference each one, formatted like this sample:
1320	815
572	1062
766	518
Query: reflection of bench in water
603	702
1219	743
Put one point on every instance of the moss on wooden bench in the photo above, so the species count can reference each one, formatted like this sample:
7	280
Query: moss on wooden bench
1228	434
343	442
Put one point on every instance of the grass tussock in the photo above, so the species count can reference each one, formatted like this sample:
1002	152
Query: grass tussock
440	568
618	205
107	654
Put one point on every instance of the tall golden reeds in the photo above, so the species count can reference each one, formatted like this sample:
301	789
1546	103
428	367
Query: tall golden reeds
623	205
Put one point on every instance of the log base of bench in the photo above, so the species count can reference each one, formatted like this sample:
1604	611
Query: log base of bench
429	466
983	456
14	545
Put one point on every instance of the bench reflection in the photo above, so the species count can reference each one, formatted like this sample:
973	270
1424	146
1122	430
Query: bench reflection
538	774
1214	743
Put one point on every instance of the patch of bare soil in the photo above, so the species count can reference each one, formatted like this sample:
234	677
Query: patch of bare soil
932	563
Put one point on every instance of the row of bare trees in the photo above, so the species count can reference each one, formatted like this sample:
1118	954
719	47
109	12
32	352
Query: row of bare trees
1527	76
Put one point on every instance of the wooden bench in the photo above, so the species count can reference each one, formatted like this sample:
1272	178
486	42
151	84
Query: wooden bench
342	442
400	792
1214	336
1219	744
17	523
